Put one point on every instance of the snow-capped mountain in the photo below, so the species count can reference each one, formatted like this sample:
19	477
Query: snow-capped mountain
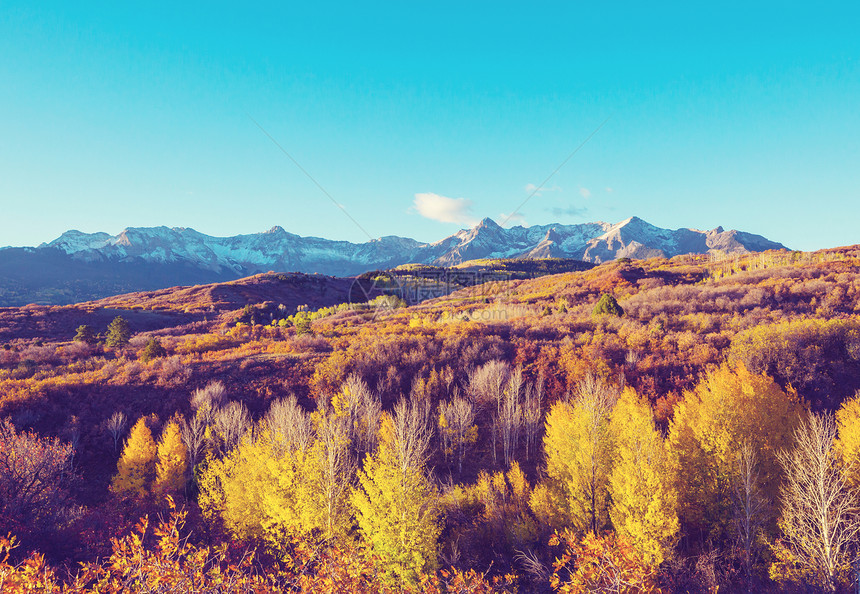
78	266
279	250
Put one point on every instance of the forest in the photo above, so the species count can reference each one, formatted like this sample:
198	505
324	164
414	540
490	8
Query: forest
665	425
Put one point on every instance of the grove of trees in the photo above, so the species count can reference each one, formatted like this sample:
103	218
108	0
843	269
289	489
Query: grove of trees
676	426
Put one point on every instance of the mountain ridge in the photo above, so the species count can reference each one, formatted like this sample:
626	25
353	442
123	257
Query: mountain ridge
148	258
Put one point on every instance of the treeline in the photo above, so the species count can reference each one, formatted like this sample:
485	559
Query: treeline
747	490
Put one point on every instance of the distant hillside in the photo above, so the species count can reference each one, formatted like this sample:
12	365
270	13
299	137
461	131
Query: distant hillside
79	266
154	310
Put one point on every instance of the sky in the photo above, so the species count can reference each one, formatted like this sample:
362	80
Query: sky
354	120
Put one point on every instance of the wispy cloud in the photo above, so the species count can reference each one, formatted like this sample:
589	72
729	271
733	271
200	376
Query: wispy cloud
537	191
512	218
444	209
585	192
569	211
608	190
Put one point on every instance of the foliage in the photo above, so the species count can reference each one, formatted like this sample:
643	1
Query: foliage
818	357
607	305
644	499
137	465
118	333
172	465
600	564
85	334
35	473
152	350
730	406
847	446
579	449
396	507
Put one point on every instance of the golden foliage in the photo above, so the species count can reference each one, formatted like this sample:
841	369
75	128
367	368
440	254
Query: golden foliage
136	465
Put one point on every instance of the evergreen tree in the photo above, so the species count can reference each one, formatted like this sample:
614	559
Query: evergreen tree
118	334
607	305
152	350
85	334
136	465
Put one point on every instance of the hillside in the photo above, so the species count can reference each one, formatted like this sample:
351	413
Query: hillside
794	316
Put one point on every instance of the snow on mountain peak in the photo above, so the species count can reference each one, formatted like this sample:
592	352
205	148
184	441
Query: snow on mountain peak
277	249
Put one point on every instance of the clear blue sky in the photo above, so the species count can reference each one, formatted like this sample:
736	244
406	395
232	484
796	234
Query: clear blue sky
137	114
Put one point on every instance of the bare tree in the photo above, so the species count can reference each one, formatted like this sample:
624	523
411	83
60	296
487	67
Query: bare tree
412	434
749	505
209	399
819	511
231	422
363	409
194	437
487	382
289	424
115	427
508	417
337	467
456	428
72	433
533	414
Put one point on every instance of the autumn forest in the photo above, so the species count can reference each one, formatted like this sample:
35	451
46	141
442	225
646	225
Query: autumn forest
665	425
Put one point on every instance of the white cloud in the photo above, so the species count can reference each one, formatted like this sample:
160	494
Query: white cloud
585	192
538	190
569	211
444	209
511	219
608	190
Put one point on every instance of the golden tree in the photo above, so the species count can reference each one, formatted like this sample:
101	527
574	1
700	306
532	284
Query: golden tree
848	443
579	448
729	407
136	466
644	500
395	503
172	465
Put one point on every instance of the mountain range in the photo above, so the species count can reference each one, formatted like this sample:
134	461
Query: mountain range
80	266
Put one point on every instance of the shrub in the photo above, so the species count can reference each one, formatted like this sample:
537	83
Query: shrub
607	305
152	350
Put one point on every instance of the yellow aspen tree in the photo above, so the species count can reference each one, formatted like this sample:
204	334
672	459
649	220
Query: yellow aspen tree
848	444
395	503
730	407
136	465
644	499
579	447
172	466
233	489
271	487
326	475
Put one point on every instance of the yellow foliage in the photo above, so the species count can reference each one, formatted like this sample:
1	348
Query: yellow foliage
397	514
136	465
172	465
263	491
644	499
728	407
847	445
579	447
